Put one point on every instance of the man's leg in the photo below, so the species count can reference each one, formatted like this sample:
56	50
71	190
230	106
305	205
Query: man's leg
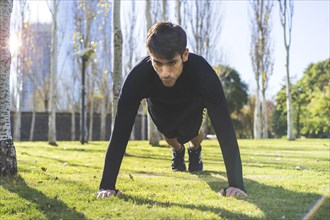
195	154
178	152
173	142
196	141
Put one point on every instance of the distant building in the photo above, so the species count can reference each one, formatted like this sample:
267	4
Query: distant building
36	73
36	66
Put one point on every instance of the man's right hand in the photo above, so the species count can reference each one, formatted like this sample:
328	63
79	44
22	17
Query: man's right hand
102	194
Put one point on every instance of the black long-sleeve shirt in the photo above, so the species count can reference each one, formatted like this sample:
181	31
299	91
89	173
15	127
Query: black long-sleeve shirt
198	82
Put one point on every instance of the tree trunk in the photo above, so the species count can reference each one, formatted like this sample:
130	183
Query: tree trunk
164	10
257	116
298	120
53	73
290	134
286	21
73	123
104	85
264	116
178	11
143	120
117	63
19	86
148	15
153	134
205	127
8	163
143	126
18	118
33	122
91	112
91	121
262	62
19	83
103	119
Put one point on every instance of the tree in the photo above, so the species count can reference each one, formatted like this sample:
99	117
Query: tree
8	163
286	14
235	92
104	82
21	56
94	71
117	59
245	117
311	100
164	3
130	45
178	11
279	115
85	48
204	21
312	93
262	61
53	77
153	134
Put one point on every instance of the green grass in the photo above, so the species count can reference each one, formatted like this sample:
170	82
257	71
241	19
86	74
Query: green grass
61	182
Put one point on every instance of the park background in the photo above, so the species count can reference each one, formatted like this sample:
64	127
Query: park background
224	38
58	179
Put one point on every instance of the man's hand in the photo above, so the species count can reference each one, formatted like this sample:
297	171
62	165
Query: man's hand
232	191
102	194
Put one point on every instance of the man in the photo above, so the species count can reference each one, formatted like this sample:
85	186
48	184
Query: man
178	85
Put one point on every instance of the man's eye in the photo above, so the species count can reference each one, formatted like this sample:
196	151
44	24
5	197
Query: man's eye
172	63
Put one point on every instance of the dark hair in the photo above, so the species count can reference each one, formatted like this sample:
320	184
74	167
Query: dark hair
165	40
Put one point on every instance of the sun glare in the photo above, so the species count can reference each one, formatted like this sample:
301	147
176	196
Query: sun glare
14	43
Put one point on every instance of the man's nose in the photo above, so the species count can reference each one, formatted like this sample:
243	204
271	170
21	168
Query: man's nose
165	72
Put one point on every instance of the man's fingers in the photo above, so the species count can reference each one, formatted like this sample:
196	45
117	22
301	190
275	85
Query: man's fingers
232	191
222	192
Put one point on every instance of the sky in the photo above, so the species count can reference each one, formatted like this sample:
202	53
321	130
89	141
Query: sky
310	38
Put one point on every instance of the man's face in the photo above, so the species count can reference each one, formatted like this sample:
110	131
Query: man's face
169	70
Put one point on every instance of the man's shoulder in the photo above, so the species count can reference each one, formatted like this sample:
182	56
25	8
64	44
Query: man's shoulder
199	66
197	62
141	69
196	58
143	63
139	80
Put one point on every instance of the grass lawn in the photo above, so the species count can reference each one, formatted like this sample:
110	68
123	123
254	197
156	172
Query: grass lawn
283	178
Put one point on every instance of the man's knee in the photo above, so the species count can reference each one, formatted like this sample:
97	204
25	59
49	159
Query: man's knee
173	142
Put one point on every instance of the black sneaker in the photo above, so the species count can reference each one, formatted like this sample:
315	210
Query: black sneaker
195	160
178	160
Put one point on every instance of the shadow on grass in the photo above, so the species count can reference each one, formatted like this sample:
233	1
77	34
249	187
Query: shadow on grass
52	208
62	147
274	201
216	210
61	161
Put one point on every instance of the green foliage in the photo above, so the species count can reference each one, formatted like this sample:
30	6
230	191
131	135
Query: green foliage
318	121
60	182
235	90
311	103
236	95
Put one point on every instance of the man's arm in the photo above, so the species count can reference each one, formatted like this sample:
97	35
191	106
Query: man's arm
124	121
221	121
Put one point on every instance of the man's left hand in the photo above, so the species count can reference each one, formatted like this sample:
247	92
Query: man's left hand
232	191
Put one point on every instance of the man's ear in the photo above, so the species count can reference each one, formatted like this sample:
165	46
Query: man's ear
185	55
